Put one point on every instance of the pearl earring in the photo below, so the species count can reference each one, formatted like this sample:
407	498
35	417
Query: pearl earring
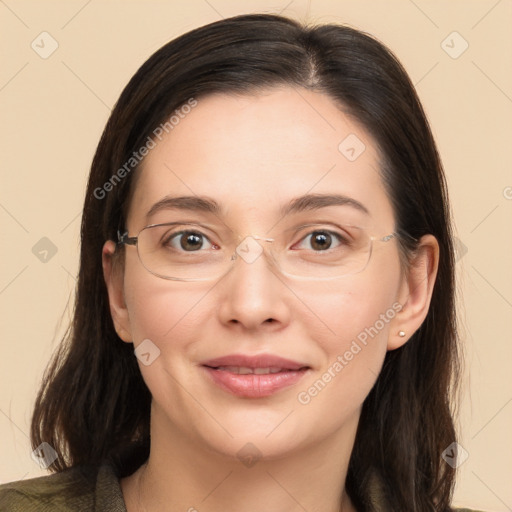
401	334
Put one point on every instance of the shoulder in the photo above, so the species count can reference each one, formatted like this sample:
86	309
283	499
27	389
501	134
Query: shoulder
84	488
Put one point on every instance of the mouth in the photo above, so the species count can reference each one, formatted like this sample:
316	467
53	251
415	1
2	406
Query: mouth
254	376
245	370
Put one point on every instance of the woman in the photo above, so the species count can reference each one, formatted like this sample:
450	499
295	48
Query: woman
265	314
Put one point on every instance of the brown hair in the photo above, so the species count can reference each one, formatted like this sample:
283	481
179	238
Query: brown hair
93	405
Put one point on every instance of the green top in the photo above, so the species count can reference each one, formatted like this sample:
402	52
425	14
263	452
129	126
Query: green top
82	488
92	489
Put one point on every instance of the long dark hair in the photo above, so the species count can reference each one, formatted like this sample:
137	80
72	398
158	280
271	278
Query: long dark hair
94	406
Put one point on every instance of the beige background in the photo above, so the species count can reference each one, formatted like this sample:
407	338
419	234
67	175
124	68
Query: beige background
54	109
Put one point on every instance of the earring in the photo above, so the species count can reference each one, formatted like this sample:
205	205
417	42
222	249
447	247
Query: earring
401	334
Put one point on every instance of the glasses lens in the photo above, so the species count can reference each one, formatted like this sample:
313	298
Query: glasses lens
180	251
326	253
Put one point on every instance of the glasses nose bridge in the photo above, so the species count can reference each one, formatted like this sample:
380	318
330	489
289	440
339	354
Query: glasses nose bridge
250	247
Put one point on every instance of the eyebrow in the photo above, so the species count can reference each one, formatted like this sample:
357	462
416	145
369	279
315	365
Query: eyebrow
310	202
192	203
303	203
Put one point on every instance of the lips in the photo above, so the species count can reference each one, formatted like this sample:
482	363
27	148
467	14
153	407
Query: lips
254	376
245	370
259	361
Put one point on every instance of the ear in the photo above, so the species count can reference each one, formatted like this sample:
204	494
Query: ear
415	292
113	276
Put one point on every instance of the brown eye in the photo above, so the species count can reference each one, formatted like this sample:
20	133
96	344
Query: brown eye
188	241
322	240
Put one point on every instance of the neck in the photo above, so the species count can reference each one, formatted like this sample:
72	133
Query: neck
181	475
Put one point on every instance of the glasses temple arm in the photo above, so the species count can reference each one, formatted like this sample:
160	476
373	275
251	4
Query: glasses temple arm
125	239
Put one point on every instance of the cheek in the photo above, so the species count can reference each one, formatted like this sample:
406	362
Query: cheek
158	310
353	357
361	325
166	313
354	321
356	307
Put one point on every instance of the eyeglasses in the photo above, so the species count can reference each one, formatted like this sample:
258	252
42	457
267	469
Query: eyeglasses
184	251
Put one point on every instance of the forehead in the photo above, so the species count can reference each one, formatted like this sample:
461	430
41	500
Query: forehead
255	153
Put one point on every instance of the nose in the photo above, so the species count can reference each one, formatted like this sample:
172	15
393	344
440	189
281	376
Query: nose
252	293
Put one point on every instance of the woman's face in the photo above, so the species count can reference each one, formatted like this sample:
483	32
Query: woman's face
254	155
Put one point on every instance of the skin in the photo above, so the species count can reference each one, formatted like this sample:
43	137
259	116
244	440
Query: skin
252	154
